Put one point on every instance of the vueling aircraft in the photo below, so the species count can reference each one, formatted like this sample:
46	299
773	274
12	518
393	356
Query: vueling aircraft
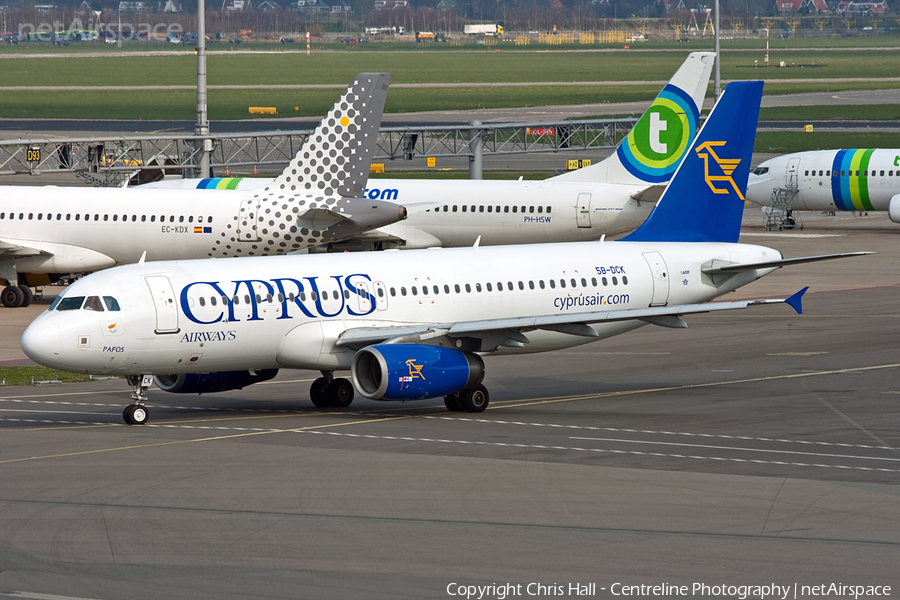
611	197
830	180
417	324
317	200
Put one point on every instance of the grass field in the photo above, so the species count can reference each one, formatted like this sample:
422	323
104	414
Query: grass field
29	375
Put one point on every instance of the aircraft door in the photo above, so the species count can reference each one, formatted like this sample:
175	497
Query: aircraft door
247	220
164	300
660	277
792	174
583	210
380	295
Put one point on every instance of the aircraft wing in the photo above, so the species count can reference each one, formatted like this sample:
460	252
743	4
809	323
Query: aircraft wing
511	331
14	248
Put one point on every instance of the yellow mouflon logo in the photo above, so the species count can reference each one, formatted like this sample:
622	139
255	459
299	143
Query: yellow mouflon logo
726	165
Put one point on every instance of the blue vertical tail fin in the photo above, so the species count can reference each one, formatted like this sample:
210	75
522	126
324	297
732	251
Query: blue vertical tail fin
704	201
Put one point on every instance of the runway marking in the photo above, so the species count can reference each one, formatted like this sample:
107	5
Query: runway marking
603	451
197	440
738	448
795	353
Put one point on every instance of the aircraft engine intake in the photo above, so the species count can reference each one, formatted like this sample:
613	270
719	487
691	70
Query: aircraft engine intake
207	383
894	209
414	371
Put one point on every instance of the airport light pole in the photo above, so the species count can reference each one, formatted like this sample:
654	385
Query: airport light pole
718	86
202	128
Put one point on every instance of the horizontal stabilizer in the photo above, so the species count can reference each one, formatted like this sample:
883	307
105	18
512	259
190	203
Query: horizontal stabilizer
770	264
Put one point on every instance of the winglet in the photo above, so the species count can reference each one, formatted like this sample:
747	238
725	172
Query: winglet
143	258
795	301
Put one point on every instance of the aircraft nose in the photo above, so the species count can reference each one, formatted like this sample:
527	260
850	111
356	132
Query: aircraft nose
42	342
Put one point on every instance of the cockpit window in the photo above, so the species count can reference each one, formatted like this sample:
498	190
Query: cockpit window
760	170
73	303
93	303
111	303
55	302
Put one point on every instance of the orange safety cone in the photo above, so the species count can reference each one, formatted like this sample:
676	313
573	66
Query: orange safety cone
227	174
254	169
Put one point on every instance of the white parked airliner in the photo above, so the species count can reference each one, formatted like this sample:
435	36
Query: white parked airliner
414	325
316	200
830	180
611	197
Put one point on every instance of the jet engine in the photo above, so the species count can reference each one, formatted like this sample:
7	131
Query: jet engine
207	383
414	371
894	209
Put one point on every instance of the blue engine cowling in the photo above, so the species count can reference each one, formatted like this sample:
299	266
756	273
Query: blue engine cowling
414	371
207	383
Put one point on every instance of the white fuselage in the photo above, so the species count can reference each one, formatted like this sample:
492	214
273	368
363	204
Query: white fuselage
454	213
848	180
259	313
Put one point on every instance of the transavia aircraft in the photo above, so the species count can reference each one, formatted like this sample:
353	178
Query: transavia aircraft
831	180
316	200
611	197
414	325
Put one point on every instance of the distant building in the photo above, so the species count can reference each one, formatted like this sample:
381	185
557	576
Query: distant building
133	6
235	5
267	6
390	4
859	9
786	7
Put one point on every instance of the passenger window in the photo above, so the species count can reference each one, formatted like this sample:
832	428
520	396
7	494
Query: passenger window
213	301
313	296
583	282
40	216
106	217
181	219
414	291
468	289
531	209
477	287
480	209
446	208
30	216
548	210
603	280
552	284
464	208
133	218
573	283
393	292
490	208
541	283
346	295
515	208
112	304
153	218
247	298
402	291
489	288
806	173
69	216
171	218
96	217
454	208
562	283
594	281
143	218
191	219
115	218
78	217
456	288
302	297
446	289
73	303
436	290
202	301
881	174
540	209
506	209
615	281
624	280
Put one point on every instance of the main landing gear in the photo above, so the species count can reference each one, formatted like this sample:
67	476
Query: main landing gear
473	400
137	413
327	391
14	296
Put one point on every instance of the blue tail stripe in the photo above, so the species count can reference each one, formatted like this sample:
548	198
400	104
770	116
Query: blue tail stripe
705	200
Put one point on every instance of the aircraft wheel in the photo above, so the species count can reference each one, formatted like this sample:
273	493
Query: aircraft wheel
27	294
12	296
475	399
136	414
317	393
451	401
340	391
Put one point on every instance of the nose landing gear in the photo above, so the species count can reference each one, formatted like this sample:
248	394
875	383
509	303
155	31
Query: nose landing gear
137	413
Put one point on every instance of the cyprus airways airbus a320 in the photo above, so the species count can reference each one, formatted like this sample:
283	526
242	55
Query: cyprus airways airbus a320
415	325
611	197
316	200
831	180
